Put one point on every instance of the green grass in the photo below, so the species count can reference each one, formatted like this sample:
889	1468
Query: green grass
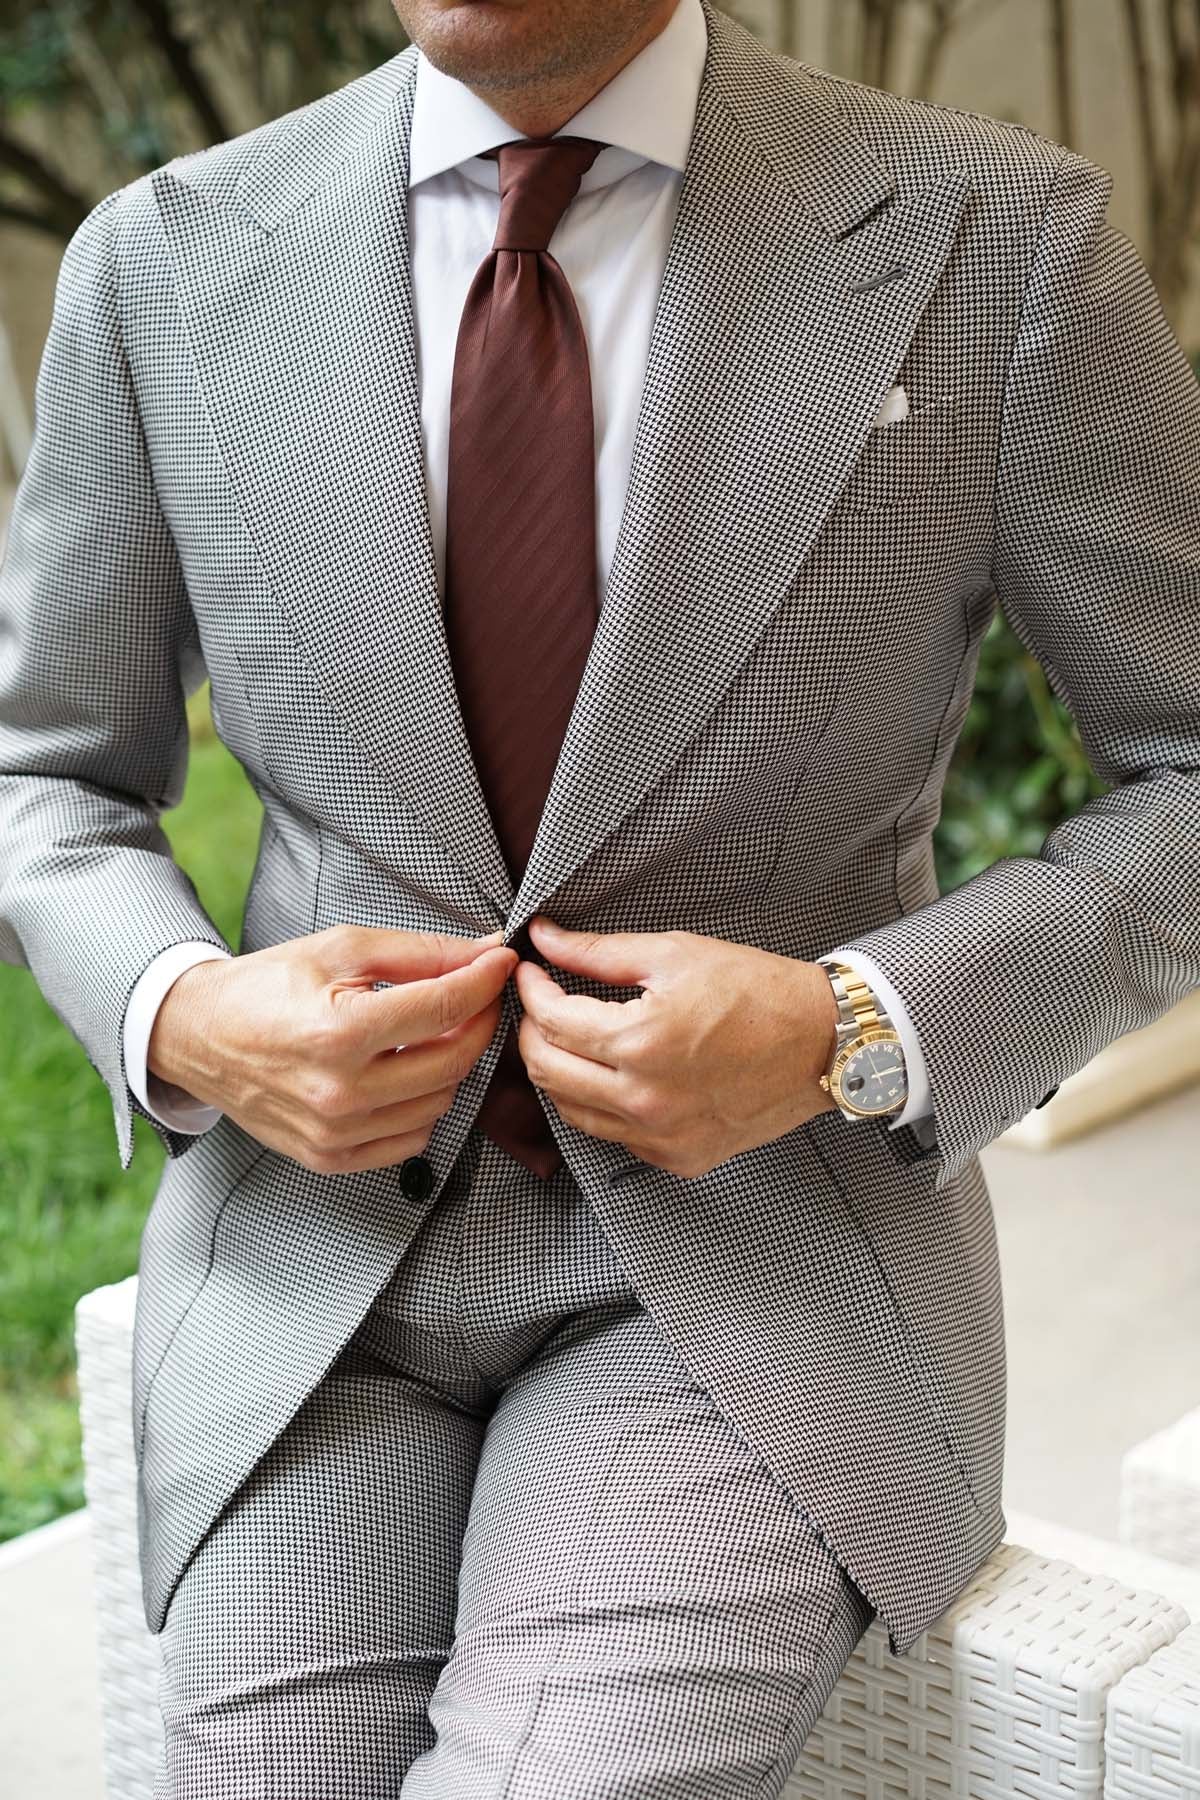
70	1217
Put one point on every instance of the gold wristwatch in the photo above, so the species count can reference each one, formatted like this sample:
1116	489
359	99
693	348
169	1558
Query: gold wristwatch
866	1077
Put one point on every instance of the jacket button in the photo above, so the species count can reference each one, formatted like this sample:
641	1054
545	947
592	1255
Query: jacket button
416	1177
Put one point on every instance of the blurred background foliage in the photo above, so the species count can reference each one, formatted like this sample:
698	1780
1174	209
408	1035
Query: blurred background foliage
93	93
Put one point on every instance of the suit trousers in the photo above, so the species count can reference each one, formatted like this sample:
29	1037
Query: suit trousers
506	1549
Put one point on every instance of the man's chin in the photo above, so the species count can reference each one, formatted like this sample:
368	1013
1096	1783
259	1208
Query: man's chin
486	43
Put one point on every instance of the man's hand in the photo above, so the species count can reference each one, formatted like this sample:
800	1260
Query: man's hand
721	1052
295	1044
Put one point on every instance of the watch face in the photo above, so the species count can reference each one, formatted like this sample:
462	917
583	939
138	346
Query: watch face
873	1078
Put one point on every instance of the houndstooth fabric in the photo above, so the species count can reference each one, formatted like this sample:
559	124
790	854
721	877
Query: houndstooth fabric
507	1549
227	474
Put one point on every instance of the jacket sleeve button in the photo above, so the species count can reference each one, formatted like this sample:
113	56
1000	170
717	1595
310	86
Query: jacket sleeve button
416	1177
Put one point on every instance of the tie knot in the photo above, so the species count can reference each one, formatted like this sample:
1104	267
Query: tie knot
538	179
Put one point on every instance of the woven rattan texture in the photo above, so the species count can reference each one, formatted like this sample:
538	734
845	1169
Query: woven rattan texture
128	1653
1005	1694
1152	1741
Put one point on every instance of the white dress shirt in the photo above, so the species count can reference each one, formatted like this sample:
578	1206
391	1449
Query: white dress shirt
612	245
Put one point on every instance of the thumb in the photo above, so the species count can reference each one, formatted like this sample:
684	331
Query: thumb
412	1011
625	958
365	951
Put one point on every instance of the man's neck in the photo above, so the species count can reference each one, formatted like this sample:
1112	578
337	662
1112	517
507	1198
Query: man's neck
541	110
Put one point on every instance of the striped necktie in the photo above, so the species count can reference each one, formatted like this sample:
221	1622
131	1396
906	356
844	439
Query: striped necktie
521	600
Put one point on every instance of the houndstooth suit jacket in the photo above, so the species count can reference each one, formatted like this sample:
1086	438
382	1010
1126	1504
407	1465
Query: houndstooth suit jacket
226	475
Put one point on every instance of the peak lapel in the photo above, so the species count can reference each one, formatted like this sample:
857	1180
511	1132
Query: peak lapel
297	298
765	371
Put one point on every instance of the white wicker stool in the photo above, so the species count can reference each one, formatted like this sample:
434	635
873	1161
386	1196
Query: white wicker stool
1152	1743
128	1653
1006	1694
1160	1492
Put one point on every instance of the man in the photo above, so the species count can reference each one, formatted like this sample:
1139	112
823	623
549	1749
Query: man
570	1311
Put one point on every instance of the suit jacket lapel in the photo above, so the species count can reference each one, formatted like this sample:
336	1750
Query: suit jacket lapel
764	373
297	296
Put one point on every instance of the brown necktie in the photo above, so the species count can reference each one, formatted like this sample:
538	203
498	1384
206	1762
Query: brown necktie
520	591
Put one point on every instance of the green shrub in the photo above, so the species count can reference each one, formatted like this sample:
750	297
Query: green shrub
1019	767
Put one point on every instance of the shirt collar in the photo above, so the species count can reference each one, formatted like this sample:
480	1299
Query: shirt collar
645	113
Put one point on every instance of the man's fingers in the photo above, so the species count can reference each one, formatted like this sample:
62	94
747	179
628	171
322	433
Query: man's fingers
349	952
625	958
580	1081
577	1022
428	1006
421	1068
597	1124
351	1131
384	1153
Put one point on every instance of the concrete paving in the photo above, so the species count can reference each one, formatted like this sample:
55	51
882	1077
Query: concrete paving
1100	1256
1100	1260
49	1692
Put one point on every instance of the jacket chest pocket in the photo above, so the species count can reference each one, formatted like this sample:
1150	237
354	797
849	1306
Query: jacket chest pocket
902	459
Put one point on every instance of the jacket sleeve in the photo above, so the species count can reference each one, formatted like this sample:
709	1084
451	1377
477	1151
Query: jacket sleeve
96	634
1019	976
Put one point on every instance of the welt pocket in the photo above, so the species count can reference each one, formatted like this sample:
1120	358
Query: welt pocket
906	457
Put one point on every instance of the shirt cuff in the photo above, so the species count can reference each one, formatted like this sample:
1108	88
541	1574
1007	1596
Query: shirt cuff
171	1106
919	1104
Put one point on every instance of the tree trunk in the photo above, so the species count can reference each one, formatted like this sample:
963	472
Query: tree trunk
1061	55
